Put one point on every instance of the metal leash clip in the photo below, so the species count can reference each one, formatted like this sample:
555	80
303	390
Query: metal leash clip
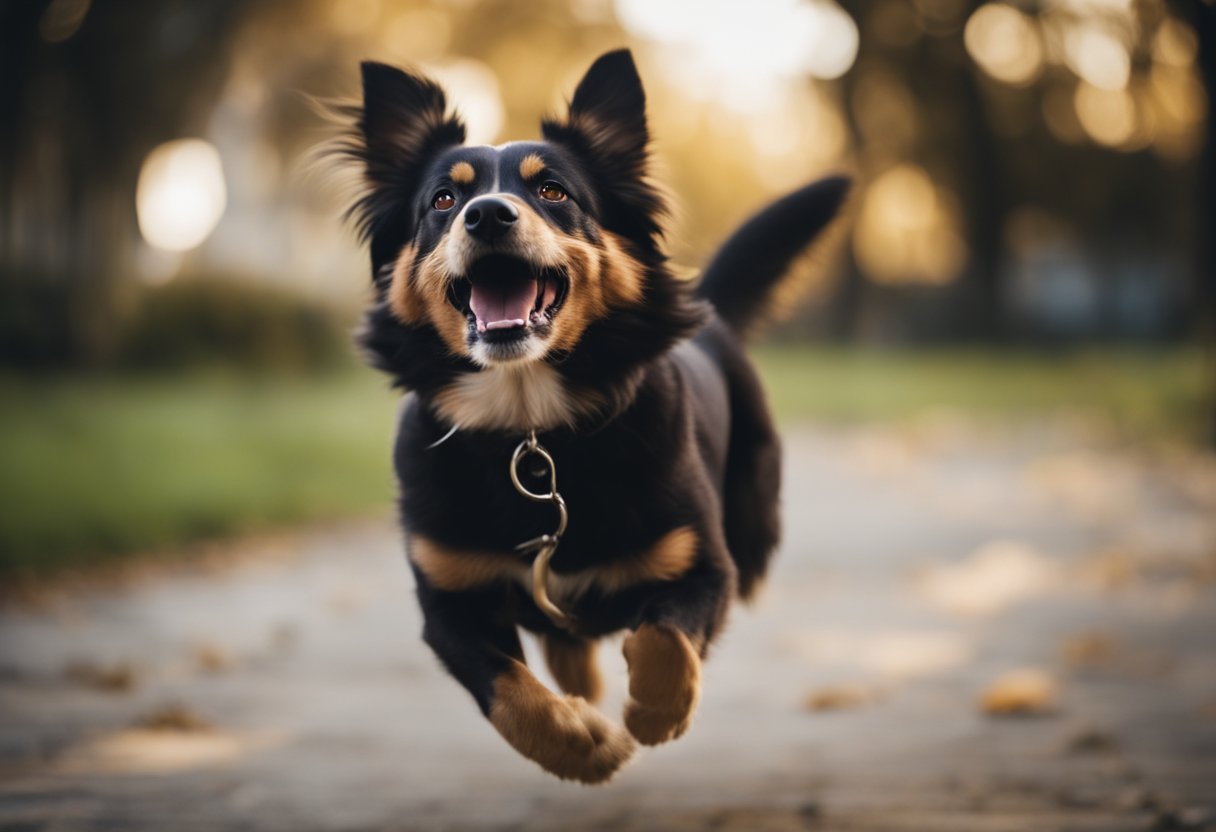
545	545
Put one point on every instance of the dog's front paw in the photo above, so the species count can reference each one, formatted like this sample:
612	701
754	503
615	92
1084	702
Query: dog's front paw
664	683
565	735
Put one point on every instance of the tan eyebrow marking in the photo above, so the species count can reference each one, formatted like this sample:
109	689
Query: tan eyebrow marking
531	165
462	173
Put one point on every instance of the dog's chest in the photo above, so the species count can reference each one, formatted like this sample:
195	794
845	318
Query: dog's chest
527	397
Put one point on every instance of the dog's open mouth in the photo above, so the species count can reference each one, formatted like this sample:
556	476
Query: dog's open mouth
504	294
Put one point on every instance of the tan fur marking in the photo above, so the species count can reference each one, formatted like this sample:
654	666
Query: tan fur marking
462	173
455	570
403	298
667	559
664	683
624	278
572	663
530	166
433	277
566	736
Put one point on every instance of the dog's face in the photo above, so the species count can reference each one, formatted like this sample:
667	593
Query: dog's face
508	262
527	253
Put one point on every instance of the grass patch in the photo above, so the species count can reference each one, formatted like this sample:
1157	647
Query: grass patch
1148	396
96	469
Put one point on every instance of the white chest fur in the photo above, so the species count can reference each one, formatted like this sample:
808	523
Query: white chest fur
521	396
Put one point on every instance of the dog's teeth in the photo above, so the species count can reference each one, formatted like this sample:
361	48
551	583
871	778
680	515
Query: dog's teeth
540	294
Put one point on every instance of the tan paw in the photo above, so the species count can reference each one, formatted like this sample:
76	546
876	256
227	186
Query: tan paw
566	736
664	683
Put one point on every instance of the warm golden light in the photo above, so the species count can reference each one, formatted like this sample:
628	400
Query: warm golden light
1108	116
180	195
1005	43
475	86
354	17
1178	104
1175	44
420	34
907	230
1097	56
800	136
739	53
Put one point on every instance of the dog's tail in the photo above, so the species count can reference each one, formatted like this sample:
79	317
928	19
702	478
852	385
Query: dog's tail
741	279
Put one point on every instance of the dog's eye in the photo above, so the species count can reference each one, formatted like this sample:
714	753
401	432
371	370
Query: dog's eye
443	201
552	192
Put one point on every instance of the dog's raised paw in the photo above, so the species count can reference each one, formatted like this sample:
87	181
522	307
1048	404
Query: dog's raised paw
564	735
664	683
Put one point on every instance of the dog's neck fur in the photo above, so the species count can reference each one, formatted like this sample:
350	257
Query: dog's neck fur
531	396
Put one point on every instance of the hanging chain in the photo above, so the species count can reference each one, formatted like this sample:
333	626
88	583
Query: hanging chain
545	545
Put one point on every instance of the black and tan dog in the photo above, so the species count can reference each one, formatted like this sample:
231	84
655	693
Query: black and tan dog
524	288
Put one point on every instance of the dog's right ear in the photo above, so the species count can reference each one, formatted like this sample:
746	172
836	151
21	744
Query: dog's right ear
402	124
606	125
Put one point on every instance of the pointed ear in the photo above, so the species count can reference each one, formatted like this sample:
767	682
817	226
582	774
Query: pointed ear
606	126
404	117
607	117
402	123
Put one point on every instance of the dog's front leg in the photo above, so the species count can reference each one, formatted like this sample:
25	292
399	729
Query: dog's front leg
664	653
479	645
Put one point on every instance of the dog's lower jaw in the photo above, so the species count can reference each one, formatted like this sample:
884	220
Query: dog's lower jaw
566	736
531	349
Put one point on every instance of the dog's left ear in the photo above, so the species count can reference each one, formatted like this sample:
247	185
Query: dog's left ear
403	122
606	124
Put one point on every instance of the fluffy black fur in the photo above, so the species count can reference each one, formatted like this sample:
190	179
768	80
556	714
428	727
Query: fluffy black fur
685	438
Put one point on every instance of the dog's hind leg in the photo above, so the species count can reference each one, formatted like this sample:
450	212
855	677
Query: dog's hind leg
473	637
571	660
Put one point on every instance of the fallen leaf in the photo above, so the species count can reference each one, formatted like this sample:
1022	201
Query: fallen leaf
1092	741
839	698
1087	649
174	718
115	678
211	659
1025	692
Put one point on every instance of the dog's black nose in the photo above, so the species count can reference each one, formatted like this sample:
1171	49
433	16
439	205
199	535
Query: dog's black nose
489	218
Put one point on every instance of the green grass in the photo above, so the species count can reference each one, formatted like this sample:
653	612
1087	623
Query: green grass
99	468
1145	396
91	470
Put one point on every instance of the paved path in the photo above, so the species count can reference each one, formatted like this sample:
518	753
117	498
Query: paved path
290	691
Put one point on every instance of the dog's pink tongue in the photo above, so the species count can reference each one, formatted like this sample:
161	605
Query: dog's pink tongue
503	304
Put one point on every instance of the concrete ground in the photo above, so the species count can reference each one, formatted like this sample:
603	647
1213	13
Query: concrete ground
962	632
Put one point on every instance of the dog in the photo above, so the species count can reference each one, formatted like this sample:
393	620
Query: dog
523	298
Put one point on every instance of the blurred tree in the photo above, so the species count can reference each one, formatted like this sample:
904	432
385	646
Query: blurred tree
86	91
988	144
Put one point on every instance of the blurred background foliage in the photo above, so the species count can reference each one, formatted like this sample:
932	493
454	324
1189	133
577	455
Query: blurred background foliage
176	288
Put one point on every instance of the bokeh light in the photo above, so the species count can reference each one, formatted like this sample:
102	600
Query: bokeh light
1097	56
907	229
180	195
1108	116
736	53
1005	43
474	88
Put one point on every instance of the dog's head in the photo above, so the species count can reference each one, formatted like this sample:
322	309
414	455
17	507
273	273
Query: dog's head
525	252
